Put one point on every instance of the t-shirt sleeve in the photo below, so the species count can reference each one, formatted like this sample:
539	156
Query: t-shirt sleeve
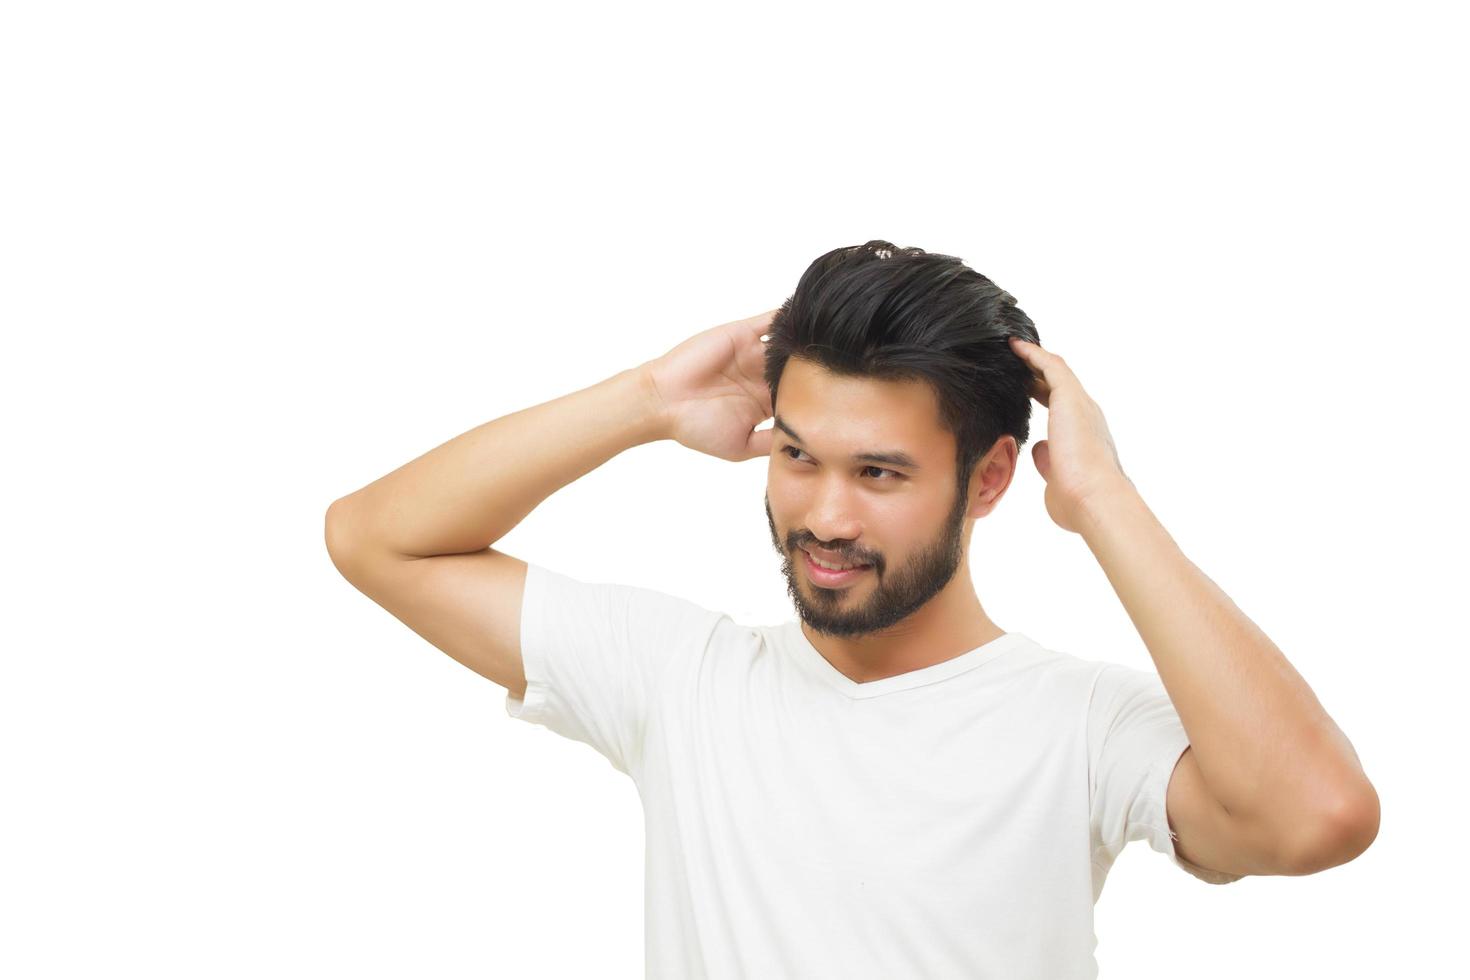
593	653
1134	739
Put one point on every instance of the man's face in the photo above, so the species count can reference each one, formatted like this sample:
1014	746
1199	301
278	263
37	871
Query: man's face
906	522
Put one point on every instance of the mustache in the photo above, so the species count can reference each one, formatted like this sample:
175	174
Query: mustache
843	557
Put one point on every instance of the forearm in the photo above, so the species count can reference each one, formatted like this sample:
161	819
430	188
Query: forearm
469	492
1266	748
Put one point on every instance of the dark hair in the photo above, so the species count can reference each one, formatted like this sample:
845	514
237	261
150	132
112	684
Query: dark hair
901	314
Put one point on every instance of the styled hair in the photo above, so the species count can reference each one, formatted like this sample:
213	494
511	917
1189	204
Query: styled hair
901	314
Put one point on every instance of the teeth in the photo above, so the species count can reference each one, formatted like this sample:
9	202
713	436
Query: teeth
828	565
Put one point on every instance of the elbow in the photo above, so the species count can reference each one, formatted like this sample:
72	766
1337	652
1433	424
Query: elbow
335	533
1345	833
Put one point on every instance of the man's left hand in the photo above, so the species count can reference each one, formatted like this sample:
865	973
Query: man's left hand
1077	460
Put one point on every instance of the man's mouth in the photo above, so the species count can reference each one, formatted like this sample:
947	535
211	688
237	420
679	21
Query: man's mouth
830	577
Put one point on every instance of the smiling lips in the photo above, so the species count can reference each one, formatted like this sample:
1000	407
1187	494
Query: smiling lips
830	558
826	577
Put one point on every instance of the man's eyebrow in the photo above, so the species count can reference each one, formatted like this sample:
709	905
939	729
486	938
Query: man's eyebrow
894	457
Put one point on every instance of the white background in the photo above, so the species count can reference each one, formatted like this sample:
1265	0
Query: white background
257	255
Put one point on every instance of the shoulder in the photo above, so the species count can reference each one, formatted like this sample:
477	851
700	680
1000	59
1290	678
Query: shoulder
1055	665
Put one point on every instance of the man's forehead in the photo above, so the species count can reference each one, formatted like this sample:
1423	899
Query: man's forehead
821	405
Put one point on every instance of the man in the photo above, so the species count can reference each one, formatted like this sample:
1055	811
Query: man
892	785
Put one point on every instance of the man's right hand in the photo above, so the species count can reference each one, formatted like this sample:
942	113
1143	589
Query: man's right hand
712	390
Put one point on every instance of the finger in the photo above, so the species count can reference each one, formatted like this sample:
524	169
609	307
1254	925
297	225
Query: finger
1051	366
1031	354
750	361
766	319
759	443
761	321
1040	392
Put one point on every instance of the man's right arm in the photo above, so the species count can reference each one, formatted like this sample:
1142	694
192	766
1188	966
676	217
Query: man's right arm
417	541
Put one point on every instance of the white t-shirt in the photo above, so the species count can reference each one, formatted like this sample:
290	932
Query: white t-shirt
953	821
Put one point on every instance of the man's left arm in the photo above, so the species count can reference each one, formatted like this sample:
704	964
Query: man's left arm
1264	746
1277	768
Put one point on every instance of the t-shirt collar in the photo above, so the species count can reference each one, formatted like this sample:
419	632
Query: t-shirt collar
813	661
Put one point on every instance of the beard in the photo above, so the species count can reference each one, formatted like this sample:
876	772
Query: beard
890	597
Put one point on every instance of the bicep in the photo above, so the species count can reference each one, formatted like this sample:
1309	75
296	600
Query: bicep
467	605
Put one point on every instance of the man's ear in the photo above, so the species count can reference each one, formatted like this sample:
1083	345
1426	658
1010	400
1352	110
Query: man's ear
992	476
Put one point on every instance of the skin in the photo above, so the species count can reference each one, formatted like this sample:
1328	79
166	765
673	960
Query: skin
917	605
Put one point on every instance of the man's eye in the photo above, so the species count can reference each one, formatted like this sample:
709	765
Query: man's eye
892	474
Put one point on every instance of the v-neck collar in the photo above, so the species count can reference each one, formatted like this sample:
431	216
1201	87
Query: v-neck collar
812	658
